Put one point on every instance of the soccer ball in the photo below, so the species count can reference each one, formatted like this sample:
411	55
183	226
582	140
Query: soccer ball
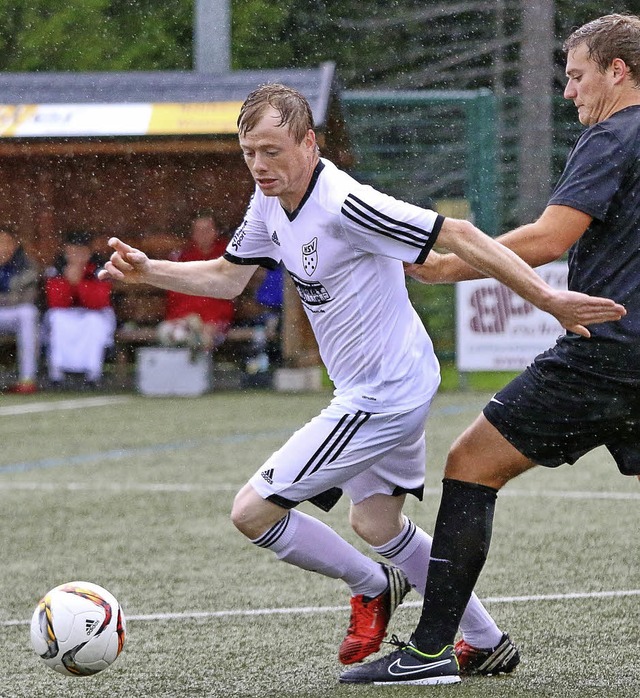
78	629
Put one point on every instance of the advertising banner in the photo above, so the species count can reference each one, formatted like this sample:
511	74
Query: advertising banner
86	120
496	330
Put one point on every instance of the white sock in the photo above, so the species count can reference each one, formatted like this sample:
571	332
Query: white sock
410	551
308	543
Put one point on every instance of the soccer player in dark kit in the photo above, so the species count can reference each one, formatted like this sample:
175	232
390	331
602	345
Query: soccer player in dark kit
581	393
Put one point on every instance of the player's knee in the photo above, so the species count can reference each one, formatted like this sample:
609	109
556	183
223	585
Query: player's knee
252	515
375	529
459	462
237	513
243	514
361	524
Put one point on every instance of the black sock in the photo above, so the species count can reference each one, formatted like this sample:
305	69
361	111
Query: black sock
460	545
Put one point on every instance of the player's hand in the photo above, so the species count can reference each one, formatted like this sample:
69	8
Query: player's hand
575	311
429	272
125	264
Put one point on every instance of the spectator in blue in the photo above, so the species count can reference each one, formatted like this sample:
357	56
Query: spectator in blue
18	311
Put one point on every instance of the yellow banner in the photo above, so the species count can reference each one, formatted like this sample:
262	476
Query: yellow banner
157	119
212	117
12	117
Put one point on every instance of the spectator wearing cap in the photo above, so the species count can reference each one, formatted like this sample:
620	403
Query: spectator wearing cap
18	311
80	322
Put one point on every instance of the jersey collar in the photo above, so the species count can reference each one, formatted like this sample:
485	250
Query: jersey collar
312	183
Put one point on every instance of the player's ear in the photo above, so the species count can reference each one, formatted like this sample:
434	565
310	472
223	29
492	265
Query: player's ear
619	69
310	139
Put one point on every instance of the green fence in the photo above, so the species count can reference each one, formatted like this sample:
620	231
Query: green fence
437	149
430	147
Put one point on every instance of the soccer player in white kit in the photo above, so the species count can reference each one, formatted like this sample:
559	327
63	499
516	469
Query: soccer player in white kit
344	245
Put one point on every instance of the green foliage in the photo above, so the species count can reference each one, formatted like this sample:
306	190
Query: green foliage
436	306
86	35
395	44
571	14
257	33
373	42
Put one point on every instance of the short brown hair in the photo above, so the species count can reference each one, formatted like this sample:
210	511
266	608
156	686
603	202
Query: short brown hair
294	109
206	213
9	229
609	37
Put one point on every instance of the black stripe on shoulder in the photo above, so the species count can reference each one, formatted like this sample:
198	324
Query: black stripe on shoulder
377	229
368	217
265	262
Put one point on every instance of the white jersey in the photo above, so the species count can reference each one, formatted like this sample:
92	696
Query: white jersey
344	247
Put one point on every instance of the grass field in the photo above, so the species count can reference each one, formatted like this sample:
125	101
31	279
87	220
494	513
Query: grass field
134	493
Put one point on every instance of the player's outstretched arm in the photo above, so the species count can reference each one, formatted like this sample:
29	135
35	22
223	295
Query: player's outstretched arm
217	278
573	310
542	241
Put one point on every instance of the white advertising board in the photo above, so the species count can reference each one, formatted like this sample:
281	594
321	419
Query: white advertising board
79	120
496	330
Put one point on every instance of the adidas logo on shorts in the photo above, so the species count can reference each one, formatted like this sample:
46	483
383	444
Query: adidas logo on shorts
268	475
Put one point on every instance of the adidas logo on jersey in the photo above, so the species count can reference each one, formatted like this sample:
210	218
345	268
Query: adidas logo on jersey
274	238
268	475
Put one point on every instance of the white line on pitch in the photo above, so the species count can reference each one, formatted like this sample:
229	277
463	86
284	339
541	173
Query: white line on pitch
54	405
301	610
170	487
173	487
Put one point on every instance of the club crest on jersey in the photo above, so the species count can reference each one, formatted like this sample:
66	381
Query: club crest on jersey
310	256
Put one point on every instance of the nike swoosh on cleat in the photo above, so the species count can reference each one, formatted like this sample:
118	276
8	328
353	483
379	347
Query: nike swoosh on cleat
397	669
496	401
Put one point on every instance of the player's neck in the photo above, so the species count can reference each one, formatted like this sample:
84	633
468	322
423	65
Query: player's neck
629	98
292	200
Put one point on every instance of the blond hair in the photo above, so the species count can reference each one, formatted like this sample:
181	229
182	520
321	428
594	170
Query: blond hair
294	109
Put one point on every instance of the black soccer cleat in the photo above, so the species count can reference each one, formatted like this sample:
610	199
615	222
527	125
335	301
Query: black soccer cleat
407	666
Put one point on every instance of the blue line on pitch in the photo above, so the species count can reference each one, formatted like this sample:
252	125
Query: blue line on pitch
118	453
454	409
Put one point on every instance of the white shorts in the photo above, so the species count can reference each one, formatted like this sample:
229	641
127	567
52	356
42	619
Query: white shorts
349	451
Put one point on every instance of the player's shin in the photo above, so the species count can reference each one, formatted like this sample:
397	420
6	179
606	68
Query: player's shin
308	543
410	551
460	546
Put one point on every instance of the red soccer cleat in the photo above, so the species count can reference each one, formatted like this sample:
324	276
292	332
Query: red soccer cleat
502	659
369	619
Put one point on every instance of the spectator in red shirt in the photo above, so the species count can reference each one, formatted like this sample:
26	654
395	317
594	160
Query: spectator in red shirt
198	320
80	322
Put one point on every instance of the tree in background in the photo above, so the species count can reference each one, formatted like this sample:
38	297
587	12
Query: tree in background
87	35
403	44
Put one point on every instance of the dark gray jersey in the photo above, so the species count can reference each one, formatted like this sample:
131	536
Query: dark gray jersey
602	179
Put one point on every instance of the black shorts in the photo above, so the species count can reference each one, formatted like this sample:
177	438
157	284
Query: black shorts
553	414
